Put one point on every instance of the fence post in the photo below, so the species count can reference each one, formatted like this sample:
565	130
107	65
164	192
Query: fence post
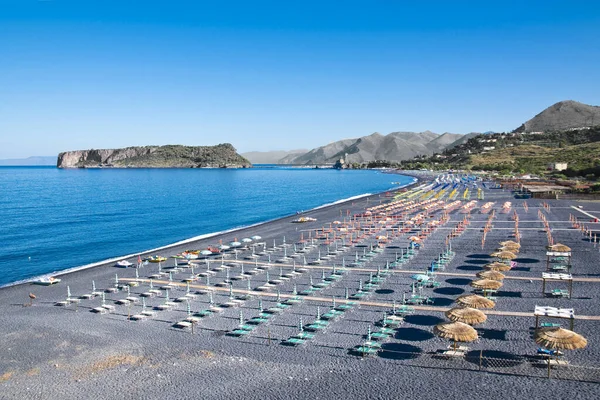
549	367
480	359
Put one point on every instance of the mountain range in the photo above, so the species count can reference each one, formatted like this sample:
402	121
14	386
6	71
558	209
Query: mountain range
399	146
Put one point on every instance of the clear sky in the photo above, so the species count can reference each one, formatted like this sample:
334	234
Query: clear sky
270	75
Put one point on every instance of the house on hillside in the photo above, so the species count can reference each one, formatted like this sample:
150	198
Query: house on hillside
558	166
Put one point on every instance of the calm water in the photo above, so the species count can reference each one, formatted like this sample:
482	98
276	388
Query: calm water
67	218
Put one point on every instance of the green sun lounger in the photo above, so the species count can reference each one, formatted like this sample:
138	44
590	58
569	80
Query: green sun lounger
294	341
366	351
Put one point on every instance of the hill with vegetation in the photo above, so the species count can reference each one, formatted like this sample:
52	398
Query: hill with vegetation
170	156
521	153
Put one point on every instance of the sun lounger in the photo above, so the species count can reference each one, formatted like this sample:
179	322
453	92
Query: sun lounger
458	348
305	335
293	341
366	351
549	325
554	362
453	353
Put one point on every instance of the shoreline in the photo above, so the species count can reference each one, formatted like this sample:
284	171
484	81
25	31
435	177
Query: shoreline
199	238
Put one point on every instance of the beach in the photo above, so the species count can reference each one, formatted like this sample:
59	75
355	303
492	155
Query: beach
51	351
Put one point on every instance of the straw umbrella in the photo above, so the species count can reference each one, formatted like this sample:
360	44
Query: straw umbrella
467	315
493	275
497	266
504	255
510	243
559	339
513	250
560	248
486	284
456	331
475	301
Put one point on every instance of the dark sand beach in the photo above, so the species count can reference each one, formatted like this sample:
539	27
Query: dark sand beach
67	352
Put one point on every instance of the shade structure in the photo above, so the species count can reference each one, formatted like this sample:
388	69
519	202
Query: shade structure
493	275
513	250
559	339
475	301
467	315
486	284
510	243
497	266
414	239
456	331
504	255
560	247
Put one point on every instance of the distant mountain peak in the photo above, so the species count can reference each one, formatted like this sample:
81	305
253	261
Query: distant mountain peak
564	115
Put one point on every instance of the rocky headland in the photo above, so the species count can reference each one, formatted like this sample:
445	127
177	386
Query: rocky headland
170	156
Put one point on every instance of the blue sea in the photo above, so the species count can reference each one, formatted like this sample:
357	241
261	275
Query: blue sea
53	219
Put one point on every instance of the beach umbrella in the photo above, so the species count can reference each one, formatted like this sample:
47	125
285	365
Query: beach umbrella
278	295
235	244
207	280
513	250
246	240
151	284
116	280
497	266
103	299
414	239
475	301
493	275
467	315
255	237
559	339
167	296
456	331
223	247
301	325
143	304
206	252
560	248
504	255
211	301
93	286
189	308
318	312
69	292
510	243
241	318
332	301
137	274
486	284
249	285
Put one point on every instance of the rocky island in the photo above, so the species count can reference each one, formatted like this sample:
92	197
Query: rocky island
169	156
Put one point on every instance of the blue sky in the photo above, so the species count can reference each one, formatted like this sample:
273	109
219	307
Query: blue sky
269	75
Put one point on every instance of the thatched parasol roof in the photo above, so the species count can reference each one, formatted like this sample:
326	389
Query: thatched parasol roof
513	250
497	266
560	247
486	284
493	275
559	339
475	301
504	255
467	315
457	331
510	243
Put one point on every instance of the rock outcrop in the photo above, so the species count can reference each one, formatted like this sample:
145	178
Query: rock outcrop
170	156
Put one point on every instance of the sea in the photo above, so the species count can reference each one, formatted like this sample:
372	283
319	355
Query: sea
57	219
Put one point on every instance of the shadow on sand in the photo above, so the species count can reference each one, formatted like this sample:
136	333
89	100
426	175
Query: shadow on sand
399	351
469	268
413	334
458	281
426	320
449	291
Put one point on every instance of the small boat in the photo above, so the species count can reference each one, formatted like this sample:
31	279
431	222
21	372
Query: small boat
46	281
123	264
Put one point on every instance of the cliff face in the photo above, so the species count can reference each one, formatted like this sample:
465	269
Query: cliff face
171	156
